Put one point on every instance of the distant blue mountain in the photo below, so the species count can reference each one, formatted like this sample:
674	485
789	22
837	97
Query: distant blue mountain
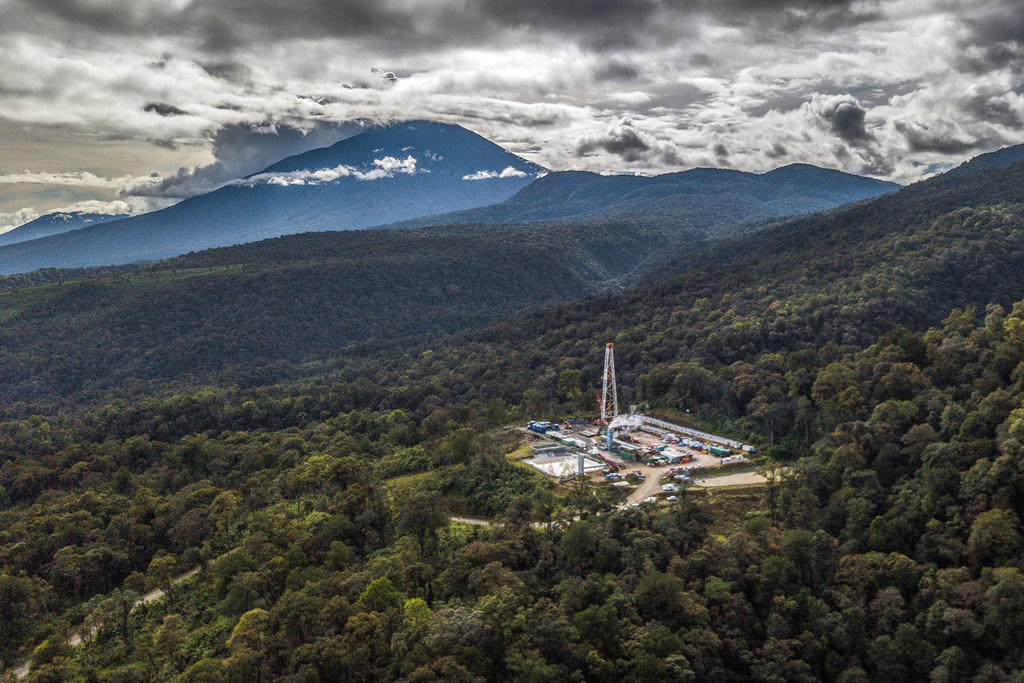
703	199
383	175
54	224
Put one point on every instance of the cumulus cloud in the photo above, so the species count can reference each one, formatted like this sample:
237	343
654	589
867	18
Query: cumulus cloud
631	144
388	166
507	172
9	221
118	207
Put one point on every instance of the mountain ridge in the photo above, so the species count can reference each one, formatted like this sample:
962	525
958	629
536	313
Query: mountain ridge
693	197
299	298
54	224
382	175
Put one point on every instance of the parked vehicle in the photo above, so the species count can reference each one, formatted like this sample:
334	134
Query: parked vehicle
541	427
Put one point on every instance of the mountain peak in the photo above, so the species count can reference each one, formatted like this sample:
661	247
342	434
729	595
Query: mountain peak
433	148
389	173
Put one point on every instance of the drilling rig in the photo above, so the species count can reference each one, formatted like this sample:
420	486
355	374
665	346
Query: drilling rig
609	393
609	401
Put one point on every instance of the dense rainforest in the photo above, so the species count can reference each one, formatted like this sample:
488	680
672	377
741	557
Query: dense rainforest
876	353
240	314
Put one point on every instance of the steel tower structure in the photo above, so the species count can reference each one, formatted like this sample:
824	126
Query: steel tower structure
608	388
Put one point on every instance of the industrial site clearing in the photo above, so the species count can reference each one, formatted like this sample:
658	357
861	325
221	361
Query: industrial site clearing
650	459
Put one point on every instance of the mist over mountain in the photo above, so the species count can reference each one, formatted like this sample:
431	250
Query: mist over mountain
386	174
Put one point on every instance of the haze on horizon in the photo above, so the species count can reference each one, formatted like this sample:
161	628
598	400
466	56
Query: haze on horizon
115	106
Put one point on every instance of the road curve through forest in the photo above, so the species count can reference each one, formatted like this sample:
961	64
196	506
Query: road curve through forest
25	667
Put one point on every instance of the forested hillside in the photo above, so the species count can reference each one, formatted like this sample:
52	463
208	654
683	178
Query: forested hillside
874	353
242	315
705	200
249	314
890	549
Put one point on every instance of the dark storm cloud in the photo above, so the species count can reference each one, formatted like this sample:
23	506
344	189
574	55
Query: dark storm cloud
315	18
625	13
107	17
163	109
225	24
241	150
599	23
232	72
994	37
164	144
764	16
998	22
921	139
220	26
630	144
844	116
617	70
993	109
848	122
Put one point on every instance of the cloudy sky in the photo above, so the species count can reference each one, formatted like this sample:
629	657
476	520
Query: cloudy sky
127	105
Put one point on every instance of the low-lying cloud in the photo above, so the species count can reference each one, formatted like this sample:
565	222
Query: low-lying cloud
507	172
118	207
242	149
385	167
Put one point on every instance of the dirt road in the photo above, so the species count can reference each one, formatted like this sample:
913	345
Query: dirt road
23	670
738	479
651	485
